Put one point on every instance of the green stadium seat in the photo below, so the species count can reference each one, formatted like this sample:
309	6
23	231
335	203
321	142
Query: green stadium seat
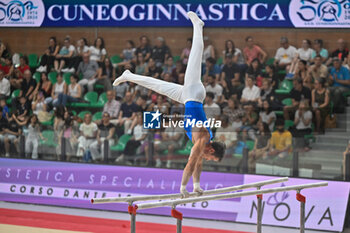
90	97
288	123
97	116
176	58
346	94
116	59
49	136
52	76
219	61
102	99
82	114
250	144
37	76
33	60
14	94
99	86
120	146
66	77
285	87
186	150
270	61
287	102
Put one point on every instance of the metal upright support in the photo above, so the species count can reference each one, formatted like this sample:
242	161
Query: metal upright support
22	149
245	160
63	149
302	201
347	167
178	215
106	150
259	213
295	164
132	211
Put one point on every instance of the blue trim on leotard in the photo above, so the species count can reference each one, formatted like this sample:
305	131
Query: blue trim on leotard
195	110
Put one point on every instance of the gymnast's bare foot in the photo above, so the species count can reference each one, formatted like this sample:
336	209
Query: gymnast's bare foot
121	78
194	18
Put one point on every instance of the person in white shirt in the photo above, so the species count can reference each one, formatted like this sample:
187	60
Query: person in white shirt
81	49
304	53
211	109
215	88
112	106
227	135
98	51
5	87
88	133
64	57
285	54
251	93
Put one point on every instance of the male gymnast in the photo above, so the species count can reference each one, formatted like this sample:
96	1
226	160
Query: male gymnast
192	95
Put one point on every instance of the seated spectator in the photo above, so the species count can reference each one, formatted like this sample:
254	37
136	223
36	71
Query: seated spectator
98	51
144	48
128	54
210	68
60	87
251	93
127	112
33	136
152	70
342	52
304	52
19	72
5	86
48	58
7	67
172	138
253	51
88	132
178	73
4	109
285	54
3	51
59	120
261	145
267	115
318	70
141	64
160	52
320	104
21	115
249	122
255	70
236	53
168	67
161	105
211	109
319	51
38	104
74	92
10	134
229	71
90	71
105	132
340	80
272	76
176	107
346	156
302	125
298	93
65	57
3	125
302	72
107	72
234	113
112	106
120	90
44	86
268	93
209	50
214	88
227	135
186	51
281	141
82	47
28	86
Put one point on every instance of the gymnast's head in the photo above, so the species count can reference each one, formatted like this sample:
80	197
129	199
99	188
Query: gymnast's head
214	151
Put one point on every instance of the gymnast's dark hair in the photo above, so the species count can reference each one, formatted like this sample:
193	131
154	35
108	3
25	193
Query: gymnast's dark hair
219	148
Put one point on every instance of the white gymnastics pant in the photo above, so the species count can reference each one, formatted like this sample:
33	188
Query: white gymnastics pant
193	89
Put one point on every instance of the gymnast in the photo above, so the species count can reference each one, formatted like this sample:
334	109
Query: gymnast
192	94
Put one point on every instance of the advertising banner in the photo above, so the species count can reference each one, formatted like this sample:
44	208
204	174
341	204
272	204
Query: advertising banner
73	185
166	13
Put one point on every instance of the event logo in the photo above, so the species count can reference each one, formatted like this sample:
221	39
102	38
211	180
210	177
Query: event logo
320	13
151	120
21	13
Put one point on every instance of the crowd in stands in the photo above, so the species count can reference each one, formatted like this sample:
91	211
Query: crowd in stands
268	101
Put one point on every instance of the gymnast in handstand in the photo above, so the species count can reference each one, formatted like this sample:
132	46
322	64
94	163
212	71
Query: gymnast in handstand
192	95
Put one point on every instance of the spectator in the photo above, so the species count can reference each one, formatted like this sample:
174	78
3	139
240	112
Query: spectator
227	135
28	86
302	125
235	53
186	51
271	75
285	54
90	71
21	115
267	115
65	57
305	52
106	75
88	132
319	51
98	51
178	73
160	52
5	86
105	132
320	103
48	58
3	51
4	109
256	71
346	156
120	90
211	109
341	52
230	74
214	88
253	51
234	113
302	72
249	121
168	67
19	72
144	48
261	145
33	136
7	67
82	47
44	86
38	104
152	70
74	92
210	68
128	54
176	107
340	79
59	120
60	87
112	106
209	50
172	139
141	65
251	93
3	125
268	93
317	70
161	105
298	93
11	133
127	112
281	141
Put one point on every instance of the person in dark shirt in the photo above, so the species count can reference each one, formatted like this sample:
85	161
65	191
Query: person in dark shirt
127	112
341	52
152	70
10	134
160	52
271	75
229	72
255	70
144	48
298	93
